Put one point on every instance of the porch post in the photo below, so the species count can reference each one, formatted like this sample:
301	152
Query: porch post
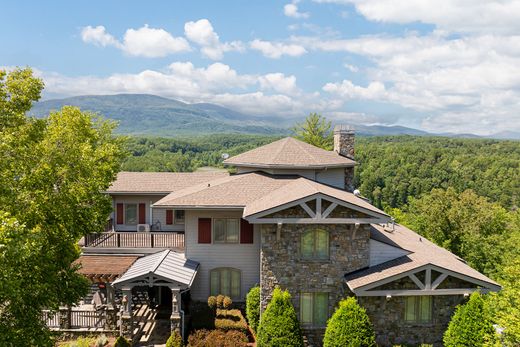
111	321
175	318
126	314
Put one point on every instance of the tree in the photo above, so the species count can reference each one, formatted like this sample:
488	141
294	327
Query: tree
349	326
175	340
471	325
279	326
253	307
50	195
315	130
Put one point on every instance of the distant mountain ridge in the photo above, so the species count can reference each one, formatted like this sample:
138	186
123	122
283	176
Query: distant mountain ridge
145	114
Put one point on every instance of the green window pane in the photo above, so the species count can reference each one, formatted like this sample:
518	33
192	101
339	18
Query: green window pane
131	214
321	308
235	284
322	244
220	230
425	309
215	281
308	244
409	314
306	308
225	282
232	230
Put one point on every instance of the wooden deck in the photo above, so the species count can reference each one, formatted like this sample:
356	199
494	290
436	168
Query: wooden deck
171	240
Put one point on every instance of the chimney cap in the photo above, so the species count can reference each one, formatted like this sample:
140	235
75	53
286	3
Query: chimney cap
343	128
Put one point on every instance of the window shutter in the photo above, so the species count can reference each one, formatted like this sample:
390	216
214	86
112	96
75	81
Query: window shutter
169	216
119	214
142	213
246	231
204	230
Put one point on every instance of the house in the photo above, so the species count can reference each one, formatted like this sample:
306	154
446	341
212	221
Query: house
289	217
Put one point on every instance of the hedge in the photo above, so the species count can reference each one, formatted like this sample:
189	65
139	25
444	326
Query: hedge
253	307
230	320
349	326
217	338
279	326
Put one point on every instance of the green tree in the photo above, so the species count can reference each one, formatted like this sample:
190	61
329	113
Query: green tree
253	307
175	340
279	326
349	326
471	325
316	131
51	180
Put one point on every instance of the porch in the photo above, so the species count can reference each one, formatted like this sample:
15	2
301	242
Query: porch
118	240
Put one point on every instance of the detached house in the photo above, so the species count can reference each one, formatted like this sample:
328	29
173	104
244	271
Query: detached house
289	217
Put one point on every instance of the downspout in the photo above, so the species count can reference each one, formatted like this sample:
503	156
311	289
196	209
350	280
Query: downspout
181	311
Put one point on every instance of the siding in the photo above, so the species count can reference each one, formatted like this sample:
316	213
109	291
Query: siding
334	176
244	257
381	252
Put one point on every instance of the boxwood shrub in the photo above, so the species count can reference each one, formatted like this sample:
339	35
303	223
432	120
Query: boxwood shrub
253	307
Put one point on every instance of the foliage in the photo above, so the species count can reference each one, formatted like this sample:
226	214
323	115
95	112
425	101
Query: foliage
50	196
253	307
315	130
227	302
175	340
279	325
212	302
122	342
217	338
349	326
471	325
230	320
220	301
101	341
82	342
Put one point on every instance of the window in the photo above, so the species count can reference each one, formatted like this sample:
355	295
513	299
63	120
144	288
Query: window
418	309
225	281
315	244
131	214
179	217
314	308
226	230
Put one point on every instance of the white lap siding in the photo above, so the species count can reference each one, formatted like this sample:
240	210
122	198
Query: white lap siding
244	257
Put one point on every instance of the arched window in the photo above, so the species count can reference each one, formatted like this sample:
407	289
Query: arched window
315	244
225	281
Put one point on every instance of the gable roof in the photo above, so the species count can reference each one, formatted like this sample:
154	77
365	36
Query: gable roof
159	182
289	153
422	252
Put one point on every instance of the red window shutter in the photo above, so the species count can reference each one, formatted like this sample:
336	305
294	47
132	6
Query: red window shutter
246	231
119	214
142	213
169	216
204	230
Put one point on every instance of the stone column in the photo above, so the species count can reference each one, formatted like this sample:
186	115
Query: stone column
126	315
175	318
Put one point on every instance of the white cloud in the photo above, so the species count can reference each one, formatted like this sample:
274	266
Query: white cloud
351	68
346	89
277	49
145	41
279	83
291	10
202	33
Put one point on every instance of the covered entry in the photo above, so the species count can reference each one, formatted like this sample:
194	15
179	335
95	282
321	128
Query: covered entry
168	273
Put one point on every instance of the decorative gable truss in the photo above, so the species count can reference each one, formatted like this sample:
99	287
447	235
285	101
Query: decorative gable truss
318	209
426	280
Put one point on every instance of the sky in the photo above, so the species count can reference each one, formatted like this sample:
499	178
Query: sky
439	66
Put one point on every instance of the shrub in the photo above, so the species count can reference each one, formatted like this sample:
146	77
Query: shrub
175	340
230	320
217	338
122	342
349	326
220	301
227	302
253	307
82	342
279	325
471	325
212	302
101	341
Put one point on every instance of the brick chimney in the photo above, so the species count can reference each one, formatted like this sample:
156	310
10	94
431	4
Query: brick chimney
344	145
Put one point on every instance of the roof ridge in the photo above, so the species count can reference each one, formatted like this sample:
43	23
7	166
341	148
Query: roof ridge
161	259
299	144
282	147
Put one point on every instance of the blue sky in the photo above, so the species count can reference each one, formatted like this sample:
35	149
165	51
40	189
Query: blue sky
450	68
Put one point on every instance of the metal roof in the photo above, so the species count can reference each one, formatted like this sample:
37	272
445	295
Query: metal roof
169	265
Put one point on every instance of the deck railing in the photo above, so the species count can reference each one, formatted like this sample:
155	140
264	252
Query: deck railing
75	319
52	320
135	240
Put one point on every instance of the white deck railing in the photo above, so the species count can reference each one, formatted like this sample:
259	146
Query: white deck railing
135	240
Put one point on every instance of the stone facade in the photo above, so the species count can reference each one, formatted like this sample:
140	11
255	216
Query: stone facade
282	265
344	139
387	316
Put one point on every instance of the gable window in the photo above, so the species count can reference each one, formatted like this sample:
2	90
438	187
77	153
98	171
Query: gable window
225	281
418	309
315	245
131	214
179	217
314	308
226	230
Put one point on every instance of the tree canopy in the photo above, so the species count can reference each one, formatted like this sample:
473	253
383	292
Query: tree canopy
316	131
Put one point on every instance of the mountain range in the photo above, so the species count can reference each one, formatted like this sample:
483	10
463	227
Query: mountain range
151	115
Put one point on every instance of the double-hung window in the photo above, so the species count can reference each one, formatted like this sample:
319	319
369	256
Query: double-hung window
179	217
315	245
418	309
226	230
225	281
314	308
131	214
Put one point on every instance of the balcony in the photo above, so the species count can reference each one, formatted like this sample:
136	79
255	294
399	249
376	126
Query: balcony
143	241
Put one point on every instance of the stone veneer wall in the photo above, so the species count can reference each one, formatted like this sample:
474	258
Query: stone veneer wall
387	316
281	265
344	139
